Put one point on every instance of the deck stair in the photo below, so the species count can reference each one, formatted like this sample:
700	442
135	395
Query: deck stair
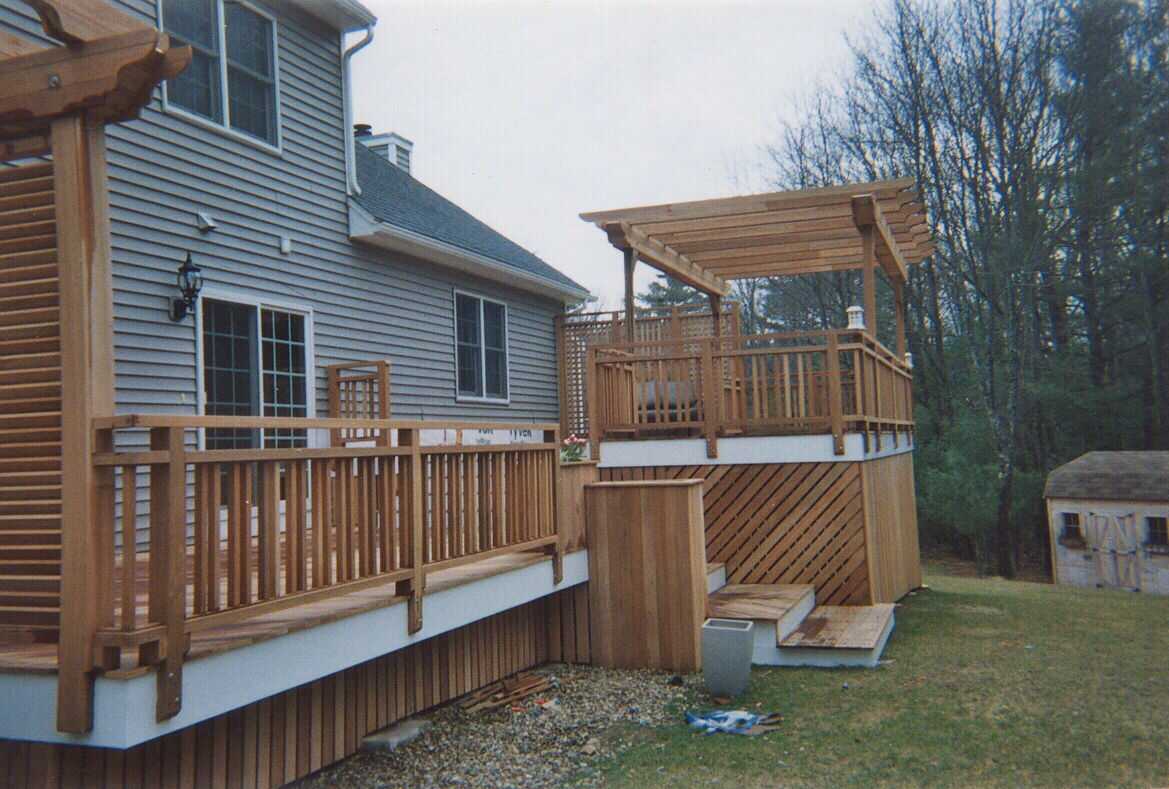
791	630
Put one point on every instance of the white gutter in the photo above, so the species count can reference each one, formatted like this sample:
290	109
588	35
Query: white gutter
347	100
366	228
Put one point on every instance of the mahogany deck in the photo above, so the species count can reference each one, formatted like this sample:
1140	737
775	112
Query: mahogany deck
42	658
842	627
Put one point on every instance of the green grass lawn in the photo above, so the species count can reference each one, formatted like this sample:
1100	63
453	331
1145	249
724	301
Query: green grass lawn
989	683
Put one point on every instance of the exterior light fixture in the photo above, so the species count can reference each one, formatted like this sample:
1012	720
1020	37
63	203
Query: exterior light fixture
856	318
190	281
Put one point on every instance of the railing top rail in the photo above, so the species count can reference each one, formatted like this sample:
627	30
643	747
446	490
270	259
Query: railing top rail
122	421
728	338
741	342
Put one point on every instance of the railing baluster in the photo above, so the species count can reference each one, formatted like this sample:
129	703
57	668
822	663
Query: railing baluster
129	619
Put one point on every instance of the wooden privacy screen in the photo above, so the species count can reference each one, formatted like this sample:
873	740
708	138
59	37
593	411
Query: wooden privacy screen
575	334
790	523
30	402
285	737
647	574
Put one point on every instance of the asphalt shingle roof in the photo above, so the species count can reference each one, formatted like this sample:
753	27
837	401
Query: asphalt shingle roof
1116	476
393	196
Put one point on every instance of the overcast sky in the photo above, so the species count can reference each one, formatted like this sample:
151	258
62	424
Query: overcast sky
528	113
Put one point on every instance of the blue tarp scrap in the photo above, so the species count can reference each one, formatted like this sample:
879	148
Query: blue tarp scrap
734	722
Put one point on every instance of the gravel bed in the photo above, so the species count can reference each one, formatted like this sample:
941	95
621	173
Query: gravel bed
551	739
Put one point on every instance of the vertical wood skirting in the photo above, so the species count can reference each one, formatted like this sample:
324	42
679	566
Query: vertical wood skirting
787	523
285	737
891	527
647	574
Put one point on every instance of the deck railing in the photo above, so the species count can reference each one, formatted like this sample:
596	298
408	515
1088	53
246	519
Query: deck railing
772	384
578	332
238	533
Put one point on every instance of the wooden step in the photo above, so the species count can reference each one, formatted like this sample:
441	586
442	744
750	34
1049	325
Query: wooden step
770	602
842	627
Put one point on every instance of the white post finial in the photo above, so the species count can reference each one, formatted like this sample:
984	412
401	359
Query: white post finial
856	318
909	360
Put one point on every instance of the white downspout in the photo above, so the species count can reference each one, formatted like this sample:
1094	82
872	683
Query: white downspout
347	100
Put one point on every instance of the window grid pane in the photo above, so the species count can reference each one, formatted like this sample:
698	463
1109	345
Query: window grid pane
197	88
284	374
469	346
229	370
251	91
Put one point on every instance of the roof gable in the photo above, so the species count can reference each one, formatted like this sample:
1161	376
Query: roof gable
395	197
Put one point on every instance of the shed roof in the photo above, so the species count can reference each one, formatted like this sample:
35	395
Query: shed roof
395	197
1115	476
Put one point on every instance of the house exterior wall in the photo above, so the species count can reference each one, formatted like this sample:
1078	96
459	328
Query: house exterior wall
1078	566
366	303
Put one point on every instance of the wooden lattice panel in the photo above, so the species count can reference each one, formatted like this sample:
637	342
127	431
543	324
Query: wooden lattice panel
789	523
30	401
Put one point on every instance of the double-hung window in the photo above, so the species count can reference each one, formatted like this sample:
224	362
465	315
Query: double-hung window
231	81
255	363
480	348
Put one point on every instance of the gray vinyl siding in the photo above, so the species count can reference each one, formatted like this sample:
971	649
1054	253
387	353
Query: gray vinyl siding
366	303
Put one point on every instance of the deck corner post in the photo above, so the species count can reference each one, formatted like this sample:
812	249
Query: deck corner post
414	587
835	394
557	548
168	532
592	383
710	399
81	244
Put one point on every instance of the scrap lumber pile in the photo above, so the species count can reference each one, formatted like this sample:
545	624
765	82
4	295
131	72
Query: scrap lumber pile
505	692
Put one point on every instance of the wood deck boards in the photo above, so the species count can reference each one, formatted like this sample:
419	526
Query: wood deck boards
842	627
42	658
756	601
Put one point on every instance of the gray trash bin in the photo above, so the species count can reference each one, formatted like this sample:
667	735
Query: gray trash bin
727	645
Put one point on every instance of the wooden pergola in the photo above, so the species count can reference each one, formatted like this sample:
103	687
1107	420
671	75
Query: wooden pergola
55	102
708	243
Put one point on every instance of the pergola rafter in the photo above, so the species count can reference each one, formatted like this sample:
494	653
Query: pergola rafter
708	243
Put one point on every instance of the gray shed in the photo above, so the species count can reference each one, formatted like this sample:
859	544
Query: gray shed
1108	519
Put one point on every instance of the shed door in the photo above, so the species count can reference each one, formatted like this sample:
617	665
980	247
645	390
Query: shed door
1115	542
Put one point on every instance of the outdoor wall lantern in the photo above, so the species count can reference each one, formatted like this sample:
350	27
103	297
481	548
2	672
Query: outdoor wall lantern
190	283
856	318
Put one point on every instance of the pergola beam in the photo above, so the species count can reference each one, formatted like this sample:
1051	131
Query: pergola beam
109	80
867	213
737	205
680	267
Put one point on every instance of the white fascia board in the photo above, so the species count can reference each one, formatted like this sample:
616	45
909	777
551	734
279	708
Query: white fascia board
366	228
744	450
124	710
344	15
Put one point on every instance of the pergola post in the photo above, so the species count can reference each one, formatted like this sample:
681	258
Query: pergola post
630	264
716	309
899	310
869	269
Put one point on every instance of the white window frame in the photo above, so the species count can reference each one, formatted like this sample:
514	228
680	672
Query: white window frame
225	127
249	299
485	398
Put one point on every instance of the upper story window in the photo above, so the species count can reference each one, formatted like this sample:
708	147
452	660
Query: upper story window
231	80
481	348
